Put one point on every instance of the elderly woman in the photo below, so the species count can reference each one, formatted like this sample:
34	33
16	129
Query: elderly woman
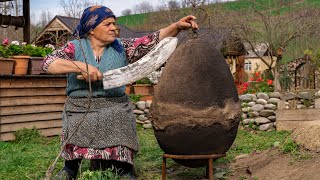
99	124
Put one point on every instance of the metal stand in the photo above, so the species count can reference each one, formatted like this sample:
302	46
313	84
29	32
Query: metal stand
209	167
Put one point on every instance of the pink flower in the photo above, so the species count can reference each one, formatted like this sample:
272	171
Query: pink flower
5	42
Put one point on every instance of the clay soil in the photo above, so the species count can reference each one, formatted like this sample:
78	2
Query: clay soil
273	164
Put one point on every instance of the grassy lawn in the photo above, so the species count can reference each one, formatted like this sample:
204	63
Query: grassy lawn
30	157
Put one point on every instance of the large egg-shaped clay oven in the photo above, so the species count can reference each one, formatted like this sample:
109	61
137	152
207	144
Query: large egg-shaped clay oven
195	110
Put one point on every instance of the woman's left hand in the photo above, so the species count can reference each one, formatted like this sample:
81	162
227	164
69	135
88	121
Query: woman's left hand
187	22
175	28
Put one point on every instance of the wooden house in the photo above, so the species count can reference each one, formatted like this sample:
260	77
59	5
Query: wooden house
253	61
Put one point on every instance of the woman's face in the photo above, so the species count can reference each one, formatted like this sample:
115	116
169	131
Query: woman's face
105	31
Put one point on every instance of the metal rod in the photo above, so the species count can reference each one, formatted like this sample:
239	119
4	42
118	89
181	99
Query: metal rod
209	166
210	169
210	156
164	168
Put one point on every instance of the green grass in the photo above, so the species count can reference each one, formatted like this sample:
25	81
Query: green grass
30	159
132	20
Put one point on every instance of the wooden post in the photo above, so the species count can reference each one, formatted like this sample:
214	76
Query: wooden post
317	103
281	105
26	16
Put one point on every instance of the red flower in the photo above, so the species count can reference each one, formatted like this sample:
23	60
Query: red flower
246	84
252	79
269	82
257	74
259	79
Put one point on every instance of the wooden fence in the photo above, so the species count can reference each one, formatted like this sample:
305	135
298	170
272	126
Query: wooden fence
289	120
31	101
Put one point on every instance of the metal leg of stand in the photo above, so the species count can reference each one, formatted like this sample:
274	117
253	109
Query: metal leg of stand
209	166
164	168
210	169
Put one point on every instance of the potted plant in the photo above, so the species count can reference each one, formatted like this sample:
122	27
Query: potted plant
143	87
36	57
14	50
6	64
27	58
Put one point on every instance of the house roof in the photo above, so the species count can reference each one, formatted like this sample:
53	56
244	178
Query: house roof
260	48
70	23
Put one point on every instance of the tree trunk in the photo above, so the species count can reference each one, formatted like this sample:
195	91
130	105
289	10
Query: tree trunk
239	76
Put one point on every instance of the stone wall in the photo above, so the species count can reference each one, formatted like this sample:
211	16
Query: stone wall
141	109
259	110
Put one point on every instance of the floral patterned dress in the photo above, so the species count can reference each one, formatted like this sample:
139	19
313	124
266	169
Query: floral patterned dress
135	49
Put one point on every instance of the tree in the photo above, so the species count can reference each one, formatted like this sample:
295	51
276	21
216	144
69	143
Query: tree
74	8
173	5
282	25
45	18
143	7
126	12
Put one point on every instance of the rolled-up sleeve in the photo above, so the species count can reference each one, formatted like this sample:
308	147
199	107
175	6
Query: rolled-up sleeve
66	52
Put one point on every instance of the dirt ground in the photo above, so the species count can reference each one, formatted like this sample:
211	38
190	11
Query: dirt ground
274	165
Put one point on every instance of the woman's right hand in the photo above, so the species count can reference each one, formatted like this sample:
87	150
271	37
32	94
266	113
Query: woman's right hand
93	73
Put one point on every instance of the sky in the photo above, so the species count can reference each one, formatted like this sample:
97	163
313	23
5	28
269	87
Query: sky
117	6
53	6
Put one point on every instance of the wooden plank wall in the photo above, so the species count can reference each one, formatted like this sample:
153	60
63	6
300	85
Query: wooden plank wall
289	120
27	102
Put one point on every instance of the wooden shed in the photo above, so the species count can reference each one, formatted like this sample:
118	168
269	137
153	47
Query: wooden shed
31	101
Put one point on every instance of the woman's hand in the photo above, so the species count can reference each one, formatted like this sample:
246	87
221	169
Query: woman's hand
183	24
93	73
187	22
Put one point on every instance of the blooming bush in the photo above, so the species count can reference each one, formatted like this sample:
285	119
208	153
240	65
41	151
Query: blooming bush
14	48
255	84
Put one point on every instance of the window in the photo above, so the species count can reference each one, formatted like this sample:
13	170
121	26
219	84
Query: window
247	66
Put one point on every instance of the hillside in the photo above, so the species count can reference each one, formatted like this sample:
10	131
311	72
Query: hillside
240	5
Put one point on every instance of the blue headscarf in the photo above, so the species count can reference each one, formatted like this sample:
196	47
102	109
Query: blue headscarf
91	18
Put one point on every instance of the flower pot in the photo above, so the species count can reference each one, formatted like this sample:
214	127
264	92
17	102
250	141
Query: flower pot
146	98
129	89
143	89
34	66
6	66
20	65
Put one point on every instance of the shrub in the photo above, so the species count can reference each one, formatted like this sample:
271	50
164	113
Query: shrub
135	97
15	48
144	81
27	135
257	83
100	175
